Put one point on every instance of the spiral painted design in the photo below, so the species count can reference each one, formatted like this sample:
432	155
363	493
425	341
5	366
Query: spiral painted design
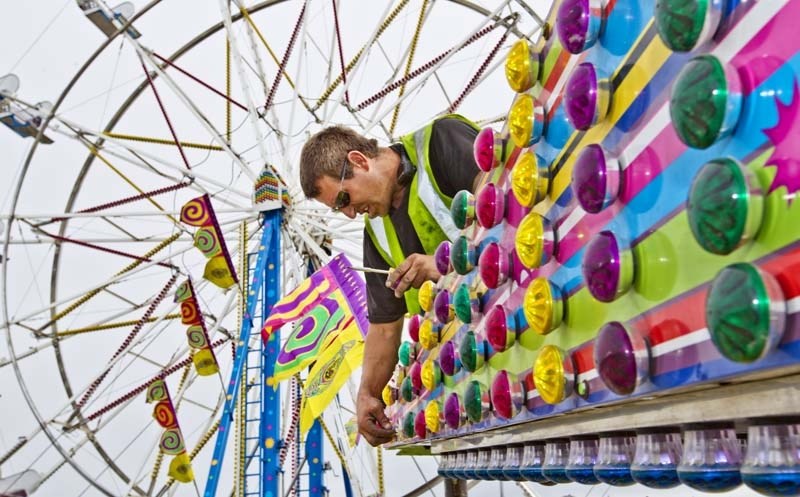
183	292
164	414
172	442
189	312
196	337
196	212
207	241
157	391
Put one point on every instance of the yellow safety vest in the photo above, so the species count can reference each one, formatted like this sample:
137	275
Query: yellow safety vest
428	208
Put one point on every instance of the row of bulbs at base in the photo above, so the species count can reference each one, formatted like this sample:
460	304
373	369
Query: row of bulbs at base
708	458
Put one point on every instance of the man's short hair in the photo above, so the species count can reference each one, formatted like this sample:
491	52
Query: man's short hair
325	152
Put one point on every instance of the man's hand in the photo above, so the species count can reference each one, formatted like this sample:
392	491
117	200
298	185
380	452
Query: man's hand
412	273
372	421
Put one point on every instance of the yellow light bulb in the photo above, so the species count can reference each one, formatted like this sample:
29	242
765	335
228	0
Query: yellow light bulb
387	396
529	240
428	335
430	375
520	120
540	307
522	67
427	292
529	188
432	416
548	374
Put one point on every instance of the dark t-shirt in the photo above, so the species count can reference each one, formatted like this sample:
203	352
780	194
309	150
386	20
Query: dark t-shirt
454	168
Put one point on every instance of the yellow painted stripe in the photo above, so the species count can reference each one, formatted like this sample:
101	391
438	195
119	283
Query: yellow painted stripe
637	79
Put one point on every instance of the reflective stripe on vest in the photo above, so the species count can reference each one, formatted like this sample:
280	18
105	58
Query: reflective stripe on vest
425	190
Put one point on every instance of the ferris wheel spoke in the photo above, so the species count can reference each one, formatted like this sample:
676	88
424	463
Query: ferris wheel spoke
191	107
197	180
388	16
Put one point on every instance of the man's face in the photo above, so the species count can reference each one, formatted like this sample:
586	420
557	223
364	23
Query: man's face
368	191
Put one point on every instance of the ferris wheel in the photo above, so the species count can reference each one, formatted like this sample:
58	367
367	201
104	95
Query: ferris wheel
178	101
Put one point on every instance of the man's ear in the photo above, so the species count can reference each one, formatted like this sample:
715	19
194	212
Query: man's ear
358	159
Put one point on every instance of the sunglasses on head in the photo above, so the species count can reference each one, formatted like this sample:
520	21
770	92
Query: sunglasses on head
342	198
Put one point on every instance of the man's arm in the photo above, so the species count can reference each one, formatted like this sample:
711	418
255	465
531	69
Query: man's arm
380	357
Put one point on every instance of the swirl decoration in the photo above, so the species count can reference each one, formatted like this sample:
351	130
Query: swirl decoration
184	291
157	391
196	212
164	414
171	442
196	337
189	312
207	241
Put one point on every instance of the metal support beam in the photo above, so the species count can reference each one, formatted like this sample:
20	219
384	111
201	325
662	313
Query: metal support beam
271	234
271	397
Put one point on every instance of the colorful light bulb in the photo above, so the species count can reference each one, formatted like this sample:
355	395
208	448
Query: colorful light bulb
554	374
526	121
522	66
578	24
543	306
506	395
407	389
656	459
535	241
531	463
686	24
465	306
607	269
587	97
428	334
489	149
415	373
389	395
442	257
442	307
414	323
448	359
462	209
529	179
464	256
706	101
432	416
405	354
499	334
453	411
408	424
420	429
745	312
711	459
621	358
471	351
431	375
556	457
494	265
490	205
725	206
427	292
595	179
476	401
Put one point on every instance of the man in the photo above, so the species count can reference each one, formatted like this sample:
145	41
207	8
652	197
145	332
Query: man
405	191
